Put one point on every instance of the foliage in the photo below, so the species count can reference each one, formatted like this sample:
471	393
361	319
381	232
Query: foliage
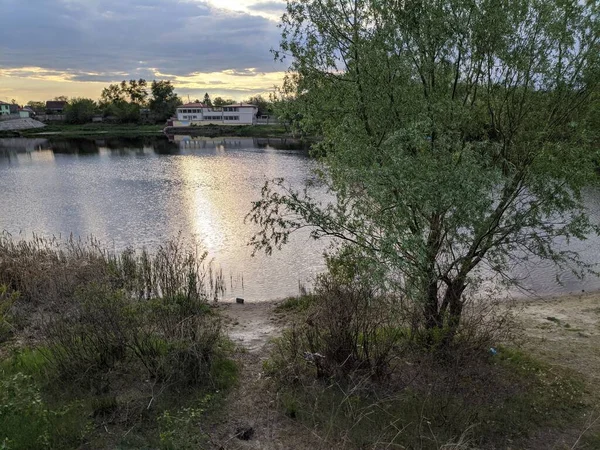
134	91
207	100
26	422
425	400
80	110
264	105
164	100
37	106
220	101
123	337
455	137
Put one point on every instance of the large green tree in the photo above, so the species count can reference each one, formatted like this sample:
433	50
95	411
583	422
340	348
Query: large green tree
456	136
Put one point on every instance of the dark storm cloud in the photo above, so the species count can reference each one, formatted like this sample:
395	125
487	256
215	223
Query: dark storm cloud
95	39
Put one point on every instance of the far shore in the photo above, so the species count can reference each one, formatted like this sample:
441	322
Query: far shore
139	130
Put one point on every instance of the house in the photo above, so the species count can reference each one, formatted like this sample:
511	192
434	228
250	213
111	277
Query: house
192	114
55	106
5	108
26	112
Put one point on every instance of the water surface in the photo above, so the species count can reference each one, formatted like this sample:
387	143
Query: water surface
141	192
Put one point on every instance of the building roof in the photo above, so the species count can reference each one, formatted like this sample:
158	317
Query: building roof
55	104
202	105
192	105
4	103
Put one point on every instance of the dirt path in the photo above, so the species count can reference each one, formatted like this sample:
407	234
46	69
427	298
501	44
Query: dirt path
252	325
253	403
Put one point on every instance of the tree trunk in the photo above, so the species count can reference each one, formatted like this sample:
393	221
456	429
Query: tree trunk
453	298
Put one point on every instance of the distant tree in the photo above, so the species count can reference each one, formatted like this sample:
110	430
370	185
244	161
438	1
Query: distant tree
61	98
136	90
164	100
36	106
220	101
264	105
124	100
133	91
80	110
13	101
207	101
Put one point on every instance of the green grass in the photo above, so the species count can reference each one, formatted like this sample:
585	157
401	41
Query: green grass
264	131
495	401
107	363
296	304
96	129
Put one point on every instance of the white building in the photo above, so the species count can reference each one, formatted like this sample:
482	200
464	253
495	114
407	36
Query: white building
199	114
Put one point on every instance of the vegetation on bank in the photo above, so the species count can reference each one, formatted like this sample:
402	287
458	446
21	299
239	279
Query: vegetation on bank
458	139
108	350
352	368
266	131
95	129
103	130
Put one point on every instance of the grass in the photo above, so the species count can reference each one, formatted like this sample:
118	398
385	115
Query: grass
233	130
127	351
296	304
132	130
494	402
342	371
95	129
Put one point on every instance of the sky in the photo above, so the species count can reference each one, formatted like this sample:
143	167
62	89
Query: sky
50	48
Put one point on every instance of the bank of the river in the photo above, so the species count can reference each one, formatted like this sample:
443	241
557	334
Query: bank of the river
267	131
134	130
561	331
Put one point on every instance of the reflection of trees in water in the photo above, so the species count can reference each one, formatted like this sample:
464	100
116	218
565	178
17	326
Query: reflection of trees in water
119	145
282	144
81	146
163	146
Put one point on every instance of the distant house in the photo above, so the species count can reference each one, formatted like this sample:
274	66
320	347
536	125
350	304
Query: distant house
4	109
26	112
200	114
55	106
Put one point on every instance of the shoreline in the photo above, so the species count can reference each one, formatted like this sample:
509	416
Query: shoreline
92	130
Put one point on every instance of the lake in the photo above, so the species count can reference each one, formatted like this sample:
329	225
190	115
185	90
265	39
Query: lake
141	192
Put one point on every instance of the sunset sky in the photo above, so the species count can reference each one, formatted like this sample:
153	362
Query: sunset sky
76	47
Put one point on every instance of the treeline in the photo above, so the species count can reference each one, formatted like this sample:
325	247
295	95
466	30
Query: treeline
133	101
140	101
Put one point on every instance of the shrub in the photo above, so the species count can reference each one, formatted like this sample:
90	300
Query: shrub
26	422
346	326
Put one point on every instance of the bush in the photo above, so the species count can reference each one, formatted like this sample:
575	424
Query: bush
352	368
125	333
26	422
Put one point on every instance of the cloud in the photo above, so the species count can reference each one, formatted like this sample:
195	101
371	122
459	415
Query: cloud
94	40
272	7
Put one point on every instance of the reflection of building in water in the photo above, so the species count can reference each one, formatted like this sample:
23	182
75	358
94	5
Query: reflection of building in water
11	158
189	142
22	144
